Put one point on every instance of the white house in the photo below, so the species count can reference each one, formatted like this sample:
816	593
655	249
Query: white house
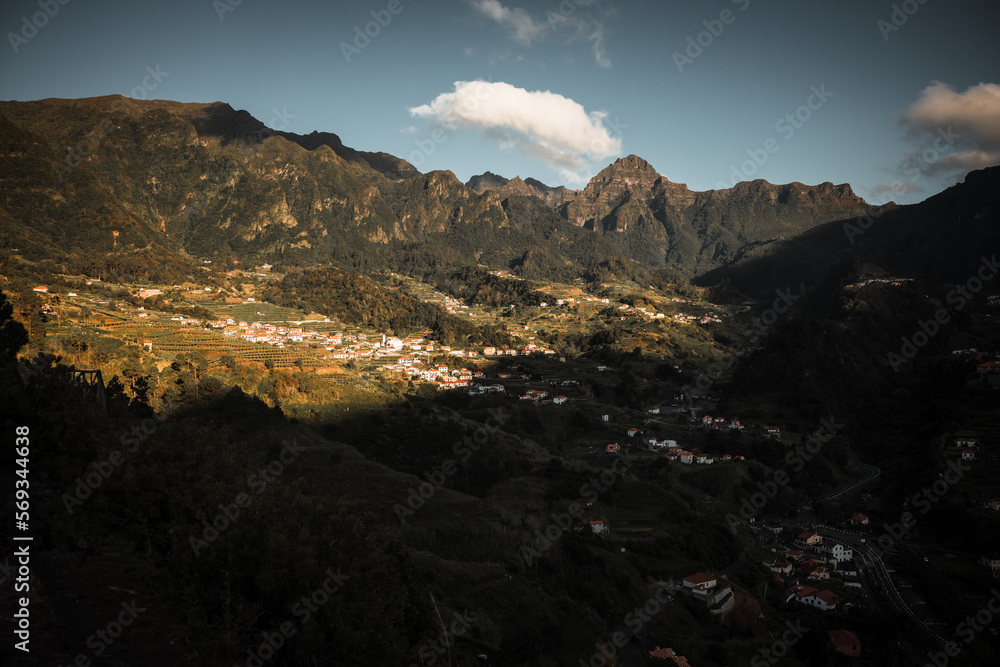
836	551
700	583
819	598
992	562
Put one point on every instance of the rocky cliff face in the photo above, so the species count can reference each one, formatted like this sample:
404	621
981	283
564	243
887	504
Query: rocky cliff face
529	187
658	221
212	181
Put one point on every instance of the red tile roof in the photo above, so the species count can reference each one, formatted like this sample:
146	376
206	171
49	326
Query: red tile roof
699	578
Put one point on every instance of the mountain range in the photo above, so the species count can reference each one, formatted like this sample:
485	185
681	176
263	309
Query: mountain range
140	185
207	180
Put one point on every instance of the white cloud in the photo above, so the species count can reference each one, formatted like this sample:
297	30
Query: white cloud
526	30
967	123
541	124
522	28
883	192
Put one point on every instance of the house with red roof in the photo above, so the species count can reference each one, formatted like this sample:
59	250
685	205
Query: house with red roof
598	526
845	642
808	540
816	597
700	583
780	566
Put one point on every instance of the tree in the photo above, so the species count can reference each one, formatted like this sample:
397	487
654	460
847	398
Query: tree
13	335
191	366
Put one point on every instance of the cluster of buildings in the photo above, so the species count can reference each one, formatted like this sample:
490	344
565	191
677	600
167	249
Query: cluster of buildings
722	423
812	559
674	452
528	350
568	301
967	448
708	421
541	396
700	319
257	332
896	282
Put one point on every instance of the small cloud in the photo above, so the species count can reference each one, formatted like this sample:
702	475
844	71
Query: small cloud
526	30
468	50
541	124
517	22
956	132
409	130
884	192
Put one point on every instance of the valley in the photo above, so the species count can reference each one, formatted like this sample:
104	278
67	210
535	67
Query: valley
352	410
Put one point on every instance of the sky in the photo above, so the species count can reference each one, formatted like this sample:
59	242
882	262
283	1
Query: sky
900	100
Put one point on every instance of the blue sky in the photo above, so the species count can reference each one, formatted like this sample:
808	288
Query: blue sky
898	99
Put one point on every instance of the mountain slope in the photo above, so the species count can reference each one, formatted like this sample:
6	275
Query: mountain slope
943	238
212	181
658	222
